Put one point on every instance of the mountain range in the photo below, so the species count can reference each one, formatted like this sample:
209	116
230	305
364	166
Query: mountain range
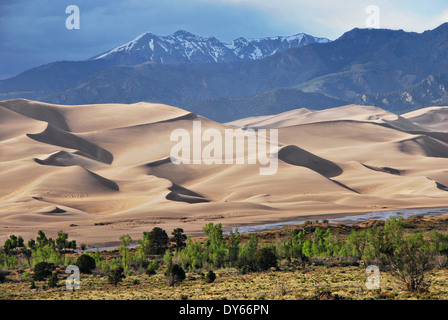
393	69
184	46
181	47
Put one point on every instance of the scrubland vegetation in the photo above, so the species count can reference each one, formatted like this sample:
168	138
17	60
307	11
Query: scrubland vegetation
315	260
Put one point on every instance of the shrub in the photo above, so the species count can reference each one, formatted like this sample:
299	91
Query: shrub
262	260
174	274
53	280
327	295
116	275
265	258
152	268
43	270
3	276
86	263
210	277
246	265
409	261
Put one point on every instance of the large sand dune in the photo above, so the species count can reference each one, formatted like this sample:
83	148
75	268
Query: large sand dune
100	171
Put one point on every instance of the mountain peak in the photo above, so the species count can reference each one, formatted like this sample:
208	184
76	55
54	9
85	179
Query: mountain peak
183	46
442	28
183	33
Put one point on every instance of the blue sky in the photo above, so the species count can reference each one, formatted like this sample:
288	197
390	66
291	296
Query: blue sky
33	32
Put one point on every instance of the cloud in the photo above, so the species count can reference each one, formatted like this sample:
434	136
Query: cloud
331	18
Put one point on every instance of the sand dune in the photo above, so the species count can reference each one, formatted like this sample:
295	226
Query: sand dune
99	171
296	156
433	118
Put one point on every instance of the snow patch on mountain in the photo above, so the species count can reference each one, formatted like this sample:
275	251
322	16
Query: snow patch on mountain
183	46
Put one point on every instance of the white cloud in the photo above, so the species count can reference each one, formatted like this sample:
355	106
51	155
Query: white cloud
331	18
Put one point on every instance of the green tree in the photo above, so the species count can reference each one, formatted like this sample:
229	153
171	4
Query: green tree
178	238
46	253
155	242
7	247
20	242
61	240
126	240
246	259
215	246
41	239
234	246
192	256
32	244
72	245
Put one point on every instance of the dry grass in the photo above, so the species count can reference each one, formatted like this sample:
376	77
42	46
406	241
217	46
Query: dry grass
290	282
302	283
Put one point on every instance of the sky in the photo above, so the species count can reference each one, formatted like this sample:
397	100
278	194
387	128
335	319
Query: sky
33	32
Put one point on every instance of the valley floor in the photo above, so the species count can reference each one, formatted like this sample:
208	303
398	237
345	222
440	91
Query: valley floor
318	279
313	282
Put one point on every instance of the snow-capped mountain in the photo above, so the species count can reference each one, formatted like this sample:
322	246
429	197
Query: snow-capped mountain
183	46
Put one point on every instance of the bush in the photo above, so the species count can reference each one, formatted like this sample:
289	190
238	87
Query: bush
86	263
265	258
262	260
246	264
43	270
116	275
53	280
174	274
3	276
152	268
210	277
409	261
